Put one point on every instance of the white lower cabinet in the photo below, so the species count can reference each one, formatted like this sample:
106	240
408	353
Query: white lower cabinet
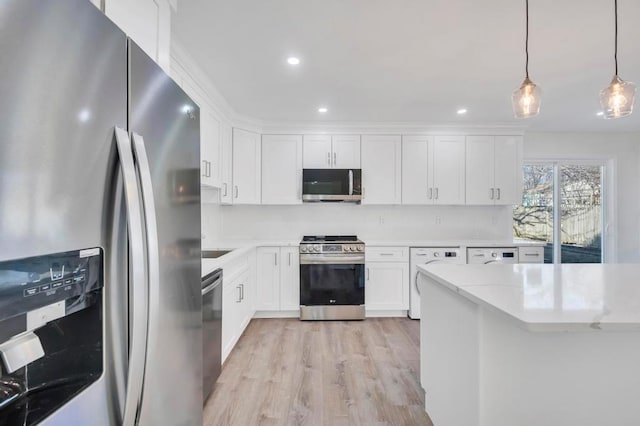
386	279
237	301
278	271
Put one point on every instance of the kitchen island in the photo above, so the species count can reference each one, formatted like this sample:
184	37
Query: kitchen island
505	345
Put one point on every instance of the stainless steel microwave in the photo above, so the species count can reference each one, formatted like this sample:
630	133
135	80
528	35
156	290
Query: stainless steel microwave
332	185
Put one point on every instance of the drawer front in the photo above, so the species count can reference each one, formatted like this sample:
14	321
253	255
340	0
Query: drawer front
386	254
531	254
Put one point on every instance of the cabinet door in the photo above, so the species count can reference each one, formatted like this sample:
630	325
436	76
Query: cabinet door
147	22
246	167
268	284
480	167
281	169
226	164
290	279
508	169
316	152
448	169
346	152
381	169
416	188
231	306
209	148
387	286
244	312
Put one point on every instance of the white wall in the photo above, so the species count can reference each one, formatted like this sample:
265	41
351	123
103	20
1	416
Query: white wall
368	222
622	152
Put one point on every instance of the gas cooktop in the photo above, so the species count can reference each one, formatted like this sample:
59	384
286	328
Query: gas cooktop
329	239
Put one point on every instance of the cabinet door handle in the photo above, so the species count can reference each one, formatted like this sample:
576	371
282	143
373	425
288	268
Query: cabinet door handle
275	259
368	274
334	159
436	193
241	291
236	191
204	164
209	171
328	158
224	193
289	259
430	193
491	194
498	190
239	294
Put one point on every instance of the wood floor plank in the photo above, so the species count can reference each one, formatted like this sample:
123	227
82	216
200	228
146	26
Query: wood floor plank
333	373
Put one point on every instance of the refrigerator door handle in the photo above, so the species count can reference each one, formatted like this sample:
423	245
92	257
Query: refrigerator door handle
151	228
138	289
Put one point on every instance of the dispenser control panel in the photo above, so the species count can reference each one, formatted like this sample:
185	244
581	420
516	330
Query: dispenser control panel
34	282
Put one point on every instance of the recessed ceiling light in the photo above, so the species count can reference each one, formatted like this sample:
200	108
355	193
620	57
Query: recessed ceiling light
322	109
293	61
600	113
461	111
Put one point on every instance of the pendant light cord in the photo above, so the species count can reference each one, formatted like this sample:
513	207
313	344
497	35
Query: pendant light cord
526	43
615	54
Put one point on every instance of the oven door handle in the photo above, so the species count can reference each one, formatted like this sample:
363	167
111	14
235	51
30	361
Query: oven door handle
314	259
350	182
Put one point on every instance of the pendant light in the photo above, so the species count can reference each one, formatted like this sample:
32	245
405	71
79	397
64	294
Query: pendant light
617	98
526	99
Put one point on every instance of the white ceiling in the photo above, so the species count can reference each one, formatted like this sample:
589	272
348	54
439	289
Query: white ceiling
412	60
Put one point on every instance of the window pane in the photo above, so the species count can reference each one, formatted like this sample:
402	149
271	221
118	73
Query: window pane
581	214
533	220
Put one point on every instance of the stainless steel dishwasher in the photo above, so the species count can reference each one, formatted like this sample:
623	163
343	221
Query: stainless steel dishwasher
211	329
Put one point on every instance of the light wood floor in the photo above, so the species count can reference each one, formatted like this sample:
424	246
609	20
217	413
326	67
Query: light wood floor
290	372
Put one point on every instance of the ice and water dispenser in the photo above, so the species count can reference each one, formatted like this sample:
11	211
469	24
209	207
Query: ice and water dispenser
50	332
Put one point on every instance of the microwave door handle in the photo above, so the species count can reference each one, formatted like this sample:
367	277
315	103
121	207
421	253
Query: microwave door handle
138	295
350	182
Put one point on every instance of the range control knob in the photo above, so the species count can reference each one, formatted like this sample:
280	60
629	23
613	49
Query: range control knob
494	254
436	254
349	248
360	248
303	249
316	248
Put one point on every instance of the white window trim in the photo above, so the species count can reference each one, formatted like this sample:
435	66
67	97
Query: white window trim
609	213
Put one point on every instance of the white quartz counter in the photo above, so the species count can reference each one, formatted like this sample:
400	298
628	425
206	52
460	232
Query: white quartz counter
238	249
568	297
453	243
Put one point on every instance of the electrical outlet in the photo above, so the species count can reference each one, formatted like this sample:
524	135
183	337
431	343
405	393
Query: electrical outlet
438	221
381	220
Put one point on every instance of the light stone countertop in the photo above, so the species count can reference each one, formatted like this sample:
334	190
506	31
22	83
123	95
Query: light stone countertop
240	248
554	298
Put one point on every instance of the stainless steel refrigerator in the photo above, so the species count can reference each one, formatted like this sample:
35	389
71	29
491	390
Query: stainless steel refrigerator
100	305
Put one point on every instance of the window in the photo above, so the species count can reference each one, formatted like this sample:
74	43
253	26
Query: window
562	206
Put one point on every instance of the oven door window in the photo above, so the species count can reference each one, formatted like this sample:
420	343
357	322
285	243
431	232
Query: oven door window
331	284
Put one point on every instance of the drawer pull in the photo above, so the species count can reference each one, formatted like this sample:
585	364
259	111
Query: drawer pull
532	254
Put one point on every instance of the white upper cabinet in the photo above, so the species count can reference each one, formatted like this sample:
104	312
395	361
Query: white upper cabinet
246	167
147	22
448	170
317	152
281	169
226	164
508	169
416	167
331	152
381	169
346	151
494	168
209	148
433	170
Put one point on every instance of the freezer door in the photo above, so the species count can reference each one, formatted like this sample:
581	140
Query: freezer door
63	88
165	130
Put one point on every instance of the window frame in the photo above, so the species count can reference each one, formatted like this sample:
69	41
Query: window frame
608	243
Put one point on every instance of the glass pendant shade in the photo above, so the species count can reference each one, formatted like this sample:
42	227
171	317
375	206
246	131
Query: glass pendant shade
617	98
526	99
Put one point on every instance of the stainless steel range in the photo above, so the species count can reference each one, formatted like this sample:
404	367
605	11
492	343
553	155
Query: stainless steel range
332	278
